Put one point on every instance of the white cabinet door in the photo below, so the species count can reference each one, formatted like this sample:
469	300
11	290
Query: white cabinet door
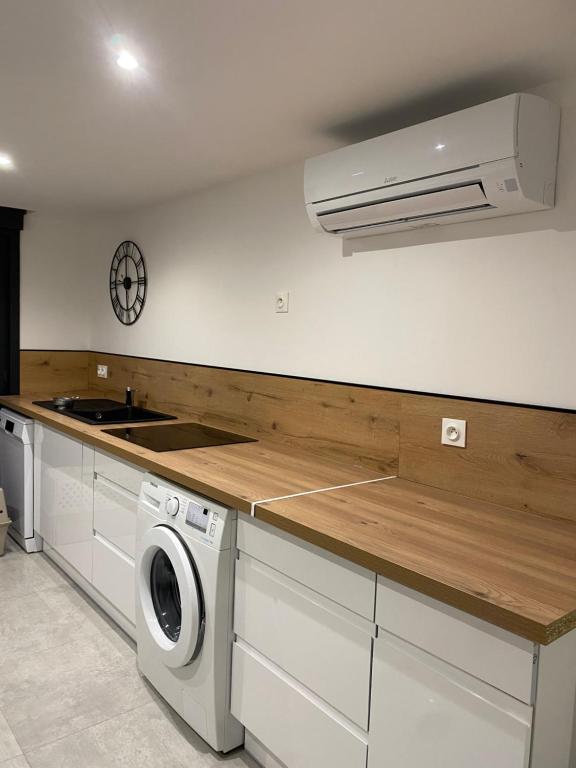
113	576
63	496
489	653
343	582
324	646
115	513
293	724
426	713
119	472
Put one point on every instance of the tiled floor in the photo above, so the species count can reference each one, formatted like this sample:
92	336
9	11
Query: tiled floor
70	693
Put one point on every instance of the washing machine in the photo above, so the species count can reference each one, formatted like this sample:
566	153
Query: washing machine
185	555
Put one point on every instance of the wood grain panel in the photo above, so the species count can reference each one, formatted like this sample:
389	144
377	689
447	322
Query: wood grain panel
523	458
53	372
512	568
237	475
347	423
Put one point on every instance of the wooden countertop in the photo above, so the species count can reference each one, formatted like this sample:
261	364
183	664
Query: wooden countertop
238	475
514	569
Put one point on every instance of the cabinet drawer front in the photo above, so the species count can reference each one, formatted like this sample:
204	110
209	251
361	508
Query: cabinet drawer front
502	659
346	583
125	475
298	729
115	515
323	645
113	575
426	713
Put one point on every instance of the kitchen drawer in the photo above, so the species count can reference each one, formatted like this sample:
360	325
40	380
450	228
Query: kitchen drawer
113	576
120	472
427	713
490	653
115	514
321	644
346	583
296	727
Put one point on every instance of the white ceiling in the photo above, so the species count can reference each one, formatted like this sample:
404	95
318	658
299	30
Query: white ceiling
228	87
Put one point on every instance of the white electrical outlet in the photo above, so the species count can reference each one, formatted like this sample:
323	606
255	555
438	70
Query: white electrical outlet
102	371
281	302
454	432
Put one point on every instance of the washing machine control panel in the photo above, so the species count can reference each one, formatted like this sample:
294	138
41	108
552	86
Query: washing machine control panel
197	515
203	519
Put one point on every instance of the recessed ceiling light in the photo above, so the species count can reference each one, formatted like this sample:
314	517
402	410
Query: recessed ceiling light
6	162
440	146
127	61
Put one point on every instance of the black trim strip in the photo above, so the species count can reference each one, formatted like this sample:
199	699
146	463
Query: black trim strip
423	393
12	218
11	223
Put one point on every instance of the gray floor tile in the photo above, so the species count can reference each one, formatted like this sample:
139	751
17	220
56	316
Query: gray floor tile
69	689
15	762
11	548
58	691
46	619
142	737
8	745
25	574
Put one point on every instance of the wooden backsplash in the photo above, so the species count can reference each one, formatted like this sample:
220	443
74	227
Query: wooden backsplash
348	423
53	372
523	458
519	457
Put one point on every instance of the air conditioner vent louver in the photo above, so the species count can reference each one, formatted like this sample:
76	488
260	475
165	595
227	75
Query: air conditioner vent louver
491	160
405	209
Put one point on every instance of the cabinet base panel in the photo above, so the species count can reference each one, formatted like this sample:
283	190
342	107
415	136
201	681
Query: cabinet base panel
258	751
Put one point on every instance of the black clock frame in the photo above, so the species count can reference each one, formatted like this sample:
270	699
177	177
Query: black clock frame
126	253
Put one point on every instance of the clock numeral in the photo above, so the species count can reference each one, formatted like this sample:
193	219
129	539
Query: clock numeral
117	307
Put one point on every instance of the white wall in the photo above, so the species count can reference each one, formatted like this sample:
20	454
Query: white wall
61	258
483	309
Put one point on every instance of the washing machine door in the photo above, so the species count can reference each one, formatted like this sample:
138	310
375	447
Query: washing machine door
170	596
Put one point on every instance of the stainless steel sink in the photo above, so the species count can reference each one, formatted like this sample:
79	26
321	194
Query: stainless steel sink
104	411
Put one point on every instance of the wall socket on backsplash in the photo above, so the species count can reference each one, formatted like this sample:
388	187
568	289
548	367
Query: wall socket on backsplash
454	432
102	371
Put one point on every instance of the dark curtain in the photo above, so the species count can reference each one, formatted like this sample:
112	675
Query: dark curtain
11	221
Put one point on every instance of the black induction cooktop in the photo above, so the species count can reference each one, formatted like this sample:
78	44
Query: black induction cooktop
177	437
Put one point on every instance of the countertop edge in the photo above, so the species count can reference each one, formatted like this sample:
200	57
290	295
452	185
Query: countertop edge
542	634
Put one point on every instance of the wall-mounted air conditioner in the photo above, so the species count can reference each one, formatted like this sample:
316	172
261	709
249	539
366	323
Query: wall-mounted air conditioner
491	160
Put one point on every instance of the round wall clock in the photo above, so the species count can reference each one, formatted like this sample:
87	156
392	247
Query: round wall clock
128	282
